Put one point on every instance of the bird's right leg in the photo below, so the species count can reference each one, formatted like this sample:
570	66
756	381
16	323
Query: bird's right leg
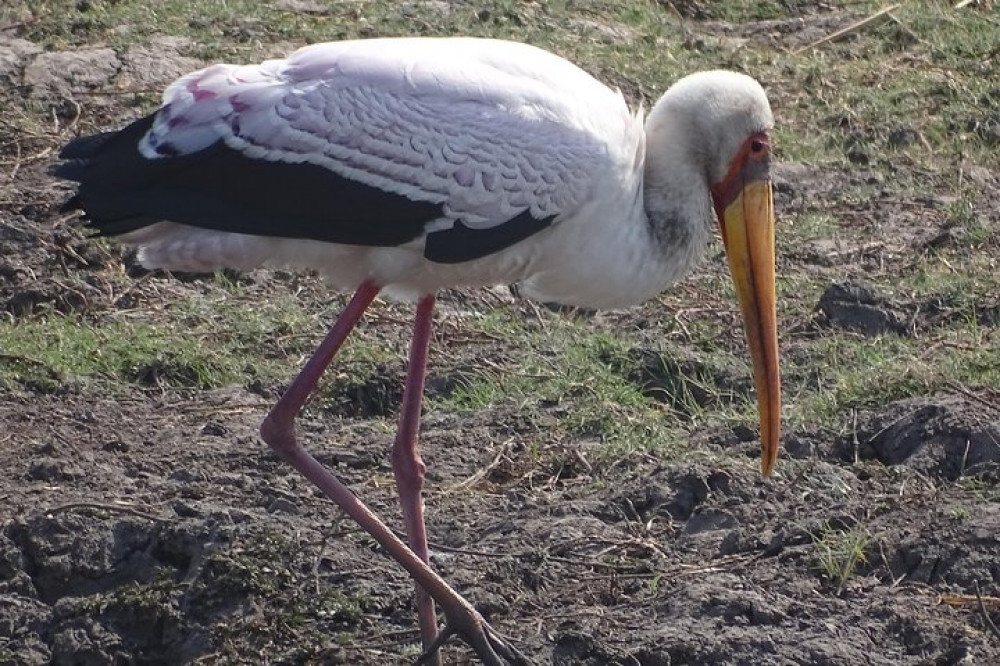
279	432
408	468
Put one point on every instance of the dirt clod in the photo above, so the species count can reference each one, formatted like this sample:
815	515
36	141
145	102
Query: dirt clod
857	307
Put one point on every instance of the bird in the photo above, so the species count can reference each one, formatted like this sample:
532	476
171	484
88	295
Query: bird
405	166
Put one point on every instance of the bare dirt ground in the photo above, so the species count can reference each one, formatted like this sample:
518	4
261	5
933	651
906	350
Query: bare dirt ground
156	528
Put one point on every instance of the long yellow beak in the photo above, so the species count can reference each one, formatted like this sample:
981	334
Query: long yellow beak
748	233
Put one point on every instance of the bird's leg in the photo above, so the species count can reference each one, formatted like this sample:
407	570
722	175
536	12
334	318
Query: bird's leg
277	428
409	468
279	433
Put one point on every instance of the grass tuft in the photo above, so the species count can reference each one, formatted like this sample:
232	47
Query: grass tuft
839	553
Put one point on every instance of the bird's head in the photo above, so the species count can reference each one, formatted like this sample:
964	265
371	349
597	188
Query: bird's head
724	120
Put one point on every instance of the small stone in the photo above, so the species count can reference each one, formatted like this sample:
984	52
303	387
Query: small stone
14	54
903	136
116	446
58	74
214	429
185	510
282	505
51	470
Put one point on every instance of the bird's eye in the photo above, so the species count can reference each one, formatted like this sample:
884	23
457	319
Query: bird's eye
756	145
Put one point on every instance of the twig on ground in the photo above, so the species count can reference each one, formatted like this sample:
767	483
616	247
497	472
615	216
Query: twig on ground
22	359
854	437
117	93
481	473
100	506
17	161
681	19
17	25
683	570
986	616
854	27
966	600
909	33
619	569
204	410
970	394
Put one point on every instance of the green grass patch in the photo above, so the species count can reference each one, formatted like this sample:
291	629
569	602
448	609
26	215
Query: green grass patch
603	387
925	97
840	371
46	352
839	553
202	341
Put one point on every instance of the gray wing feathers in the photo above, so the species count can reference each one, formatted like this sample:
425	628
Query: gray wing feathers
444	132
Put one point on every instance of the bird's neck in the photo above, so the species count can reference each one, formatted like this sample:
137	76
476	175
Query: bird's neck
676	197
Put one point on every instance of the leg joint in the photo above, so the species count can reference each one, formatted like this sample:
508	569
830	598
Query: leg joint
279	434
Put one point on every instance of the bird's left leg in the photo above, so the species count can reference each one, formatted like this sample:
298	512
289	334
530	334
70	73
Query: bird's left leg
409	468
278	427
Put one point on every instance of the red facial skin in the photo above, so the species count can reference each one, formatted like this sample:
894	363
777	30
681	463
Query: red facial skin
752	162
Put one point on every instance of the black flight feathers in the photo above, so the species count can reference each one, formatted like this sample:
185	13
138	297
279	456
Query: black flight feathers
220	188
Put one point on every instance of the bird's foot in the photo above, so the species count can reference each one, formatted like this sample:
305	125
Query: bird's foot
492	648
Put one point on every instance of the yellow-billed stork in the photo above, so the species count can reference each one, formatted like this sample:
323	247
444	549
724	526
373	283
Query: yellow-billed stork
412	165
